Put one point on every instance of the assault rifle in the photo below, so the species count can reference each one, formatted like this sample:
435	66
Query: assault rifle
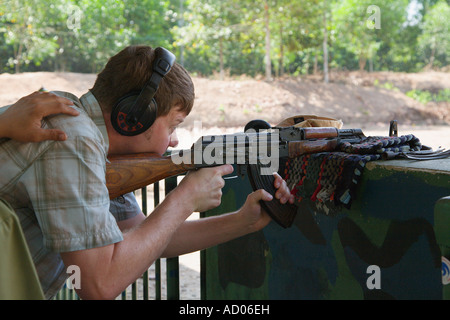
256	153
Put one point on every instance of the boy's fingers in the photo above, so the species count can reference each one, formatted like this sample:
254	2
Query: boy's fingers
278	180
262	194
225	169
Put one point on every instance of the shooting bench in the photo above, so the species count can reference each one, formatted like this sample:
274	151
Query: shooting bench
388	245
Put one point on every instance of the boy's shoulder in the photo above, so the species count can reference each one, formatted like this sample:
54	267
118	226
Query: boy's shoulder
89	123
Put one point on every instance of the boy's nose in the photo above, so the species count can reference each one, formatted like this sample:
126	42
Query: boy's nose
173	140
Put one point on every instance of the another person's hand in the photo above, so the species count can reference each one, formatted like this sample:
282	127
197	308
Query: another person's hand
22	120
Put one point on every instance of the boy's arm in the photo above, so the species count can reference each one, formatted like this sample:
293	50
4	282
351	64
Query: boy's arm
203	233
106	271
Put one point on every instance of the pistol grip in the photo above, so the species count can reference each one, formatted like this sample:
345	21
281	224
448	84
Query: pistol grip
283	214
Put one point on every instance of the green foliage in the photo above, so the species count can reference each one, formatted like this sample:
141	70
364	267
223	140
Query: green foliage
364	26
232	37
434	40
25	33
386	85
424	96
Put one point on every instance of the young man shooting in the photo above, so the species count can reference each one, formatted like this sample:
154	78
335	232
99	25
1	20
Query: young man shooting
58	188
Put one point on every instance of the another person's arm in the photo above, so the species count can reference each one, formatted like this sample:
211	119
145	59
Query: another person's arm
22	120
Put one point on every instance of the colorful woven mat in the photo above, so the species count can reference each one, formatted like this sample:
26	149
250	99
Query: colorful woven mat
330	179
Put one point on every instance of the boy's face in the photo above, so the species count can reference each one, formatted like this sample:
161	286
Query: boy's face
160	136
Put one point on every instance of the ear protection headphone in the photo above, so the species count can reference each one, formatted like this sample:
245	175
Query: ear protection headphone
135	112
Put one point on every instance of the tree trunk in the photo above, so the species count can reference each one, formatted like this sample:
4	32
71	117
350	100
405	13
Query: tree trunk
433	53
222	72
362	63
18	57
325	44
267	57
281	67
316	64
181	25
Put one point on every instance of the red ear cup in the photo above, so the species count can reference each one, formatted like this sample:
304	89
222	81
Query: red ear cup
124	126
120	116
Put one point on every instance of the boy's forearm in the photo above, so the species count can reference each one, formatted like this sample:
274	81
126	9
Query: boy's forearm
107	271
203	233
194	235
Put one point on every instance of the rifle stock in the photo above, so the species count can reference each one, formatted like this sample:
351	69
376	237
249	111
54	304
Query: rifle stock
126	173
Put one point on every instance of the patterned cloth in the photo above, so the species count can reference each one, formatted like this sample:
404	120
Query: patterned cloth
330	179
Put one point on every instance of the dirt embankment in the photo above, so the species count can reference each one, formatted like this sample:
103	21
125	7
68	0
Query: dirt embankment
357	98
353	97
366	100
